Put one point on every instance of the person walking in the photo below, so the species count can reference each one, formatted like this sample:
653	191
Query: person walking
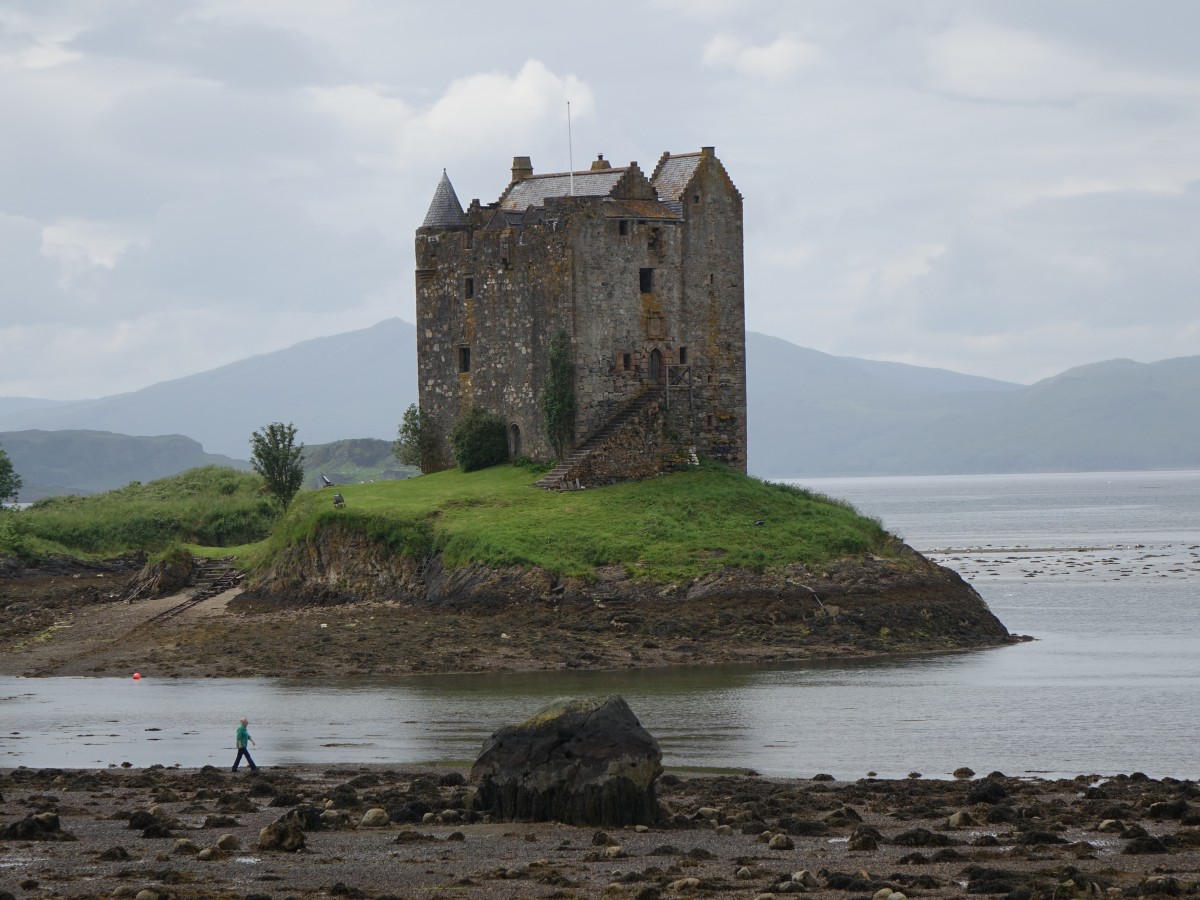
243	736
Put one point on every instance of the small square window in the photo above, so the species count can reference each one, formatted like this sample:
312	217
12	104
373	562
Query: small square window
683	356
646	280
464	359
626	361
469	287
695	199
623	226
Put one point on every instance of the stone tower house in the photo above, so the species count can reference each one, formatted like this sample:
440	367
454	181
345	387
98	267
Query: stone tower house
645	276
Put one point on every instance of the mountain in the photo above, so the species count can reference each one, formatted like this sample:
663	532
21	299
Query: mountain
810	413
1115	415
83	462
355	384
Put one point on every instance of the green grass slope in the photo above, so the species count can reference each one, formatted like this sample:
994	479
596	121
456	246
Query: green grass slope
662	529
212	506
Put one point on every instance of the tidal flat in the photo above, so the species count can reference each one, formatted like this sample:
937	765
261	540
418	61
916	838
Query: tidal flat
195	833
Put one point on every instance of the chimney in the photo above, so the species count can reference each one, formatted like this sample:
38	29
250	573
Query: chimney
522	168
600	163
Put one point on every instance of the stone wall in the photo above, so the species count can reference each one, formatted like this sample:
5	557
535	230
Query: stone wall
638	286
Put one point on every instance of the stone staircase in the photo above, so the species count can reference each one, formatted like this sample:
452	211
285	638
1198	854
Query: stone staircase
214	576
557	479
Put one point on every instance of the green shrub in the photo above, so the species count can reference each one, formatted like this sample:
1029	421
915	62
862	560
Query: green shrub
479	439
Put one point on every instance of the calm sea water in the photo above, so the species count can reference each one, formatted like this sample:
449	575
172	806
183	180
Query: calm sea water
1103	569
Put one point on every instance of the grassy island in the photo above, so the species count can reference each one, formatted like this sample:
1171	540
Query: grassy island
459	572
674	527
664	529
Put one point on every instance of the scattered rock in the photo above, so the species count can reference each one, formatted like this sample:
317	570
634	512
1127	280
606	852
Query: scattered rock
581	762
284	835
42	826
375	818
228	843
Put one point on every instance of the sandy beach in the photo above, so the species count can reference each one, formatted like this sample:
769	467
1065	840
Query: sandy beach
177	833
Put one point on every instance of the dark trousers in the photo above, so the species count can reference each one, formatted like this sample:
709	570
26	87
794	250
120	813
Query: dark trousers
242	751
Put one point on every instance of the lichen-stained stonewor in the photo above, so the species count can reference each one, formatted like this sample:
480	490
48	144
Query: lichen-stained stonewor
645	275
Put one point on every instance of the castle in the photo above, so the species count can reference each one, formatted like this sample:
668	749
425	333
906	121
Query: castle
645	276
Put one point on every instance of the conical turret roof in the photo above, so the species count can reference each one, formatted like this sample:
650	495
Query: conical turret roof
444	211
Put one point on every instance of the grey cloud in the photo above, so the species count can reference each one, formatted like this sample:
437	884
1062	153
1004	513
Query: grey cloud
1108	261
243	248
243	54
211	127
30	281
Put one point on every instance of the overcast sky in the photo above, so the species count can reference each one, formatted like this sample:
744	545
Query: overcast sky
1005	188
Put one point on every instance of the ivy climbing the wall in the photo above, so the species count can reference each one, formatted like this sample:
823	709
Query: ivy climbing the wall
557	396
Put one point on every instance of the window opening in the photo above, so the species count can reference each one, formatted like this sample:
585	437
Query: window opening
623	226
695	199
469	287
514	439
683	356
464	359
646	280
626	361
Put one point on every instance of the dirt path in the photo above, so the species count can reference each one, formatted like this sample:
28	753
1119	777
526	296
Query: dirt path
100	638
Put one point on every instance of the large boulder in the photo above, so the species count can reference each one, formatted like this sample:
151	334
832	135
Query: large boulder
581	762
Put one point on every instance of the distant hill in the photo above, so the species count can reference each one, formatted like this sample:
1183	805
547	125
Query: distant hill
87	462
82	462
1106	416
810	413
348	385
353	461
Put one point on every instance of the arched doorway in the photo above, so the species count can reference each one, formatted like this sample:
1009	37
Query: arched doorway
656	364
514	440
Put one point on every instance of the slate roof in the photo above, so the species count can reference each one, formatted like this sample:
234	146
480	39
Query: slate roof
674	174
444	211
534	190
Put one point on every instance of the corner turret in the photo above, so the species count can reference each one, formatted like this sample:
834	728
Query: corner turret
444	210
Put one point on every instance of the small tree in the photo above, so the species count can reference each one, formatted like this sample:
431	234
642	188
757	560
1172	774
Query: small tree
277	458
557	396
10	481
416	444
479	440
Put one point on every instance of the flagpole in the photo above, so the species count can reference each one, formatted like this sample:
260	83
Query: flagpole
570	151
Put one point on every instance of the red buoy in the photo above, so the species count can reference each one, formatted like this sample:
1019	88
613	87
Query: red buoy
137	676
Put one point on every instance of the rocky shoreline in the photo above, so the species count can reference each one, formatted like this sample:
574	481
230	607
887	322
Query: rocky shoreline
346	609
378	832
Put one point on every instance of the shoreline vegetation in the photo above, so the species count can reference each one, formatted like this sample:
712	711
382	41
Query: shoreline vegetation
380	831
459	572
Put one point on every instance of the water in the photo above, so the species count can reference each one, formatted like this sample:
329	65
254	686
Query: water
1102	569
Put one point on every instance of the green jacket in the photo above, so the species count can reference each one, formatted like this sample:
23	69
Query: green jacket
243	736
